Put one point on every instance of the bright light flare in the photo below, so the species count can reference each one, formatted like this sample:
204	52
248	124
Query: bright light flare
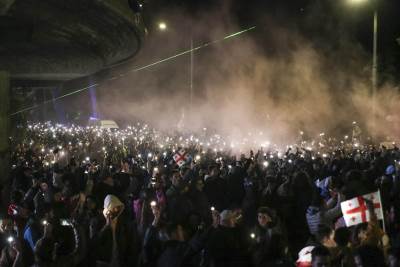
356	2
162	26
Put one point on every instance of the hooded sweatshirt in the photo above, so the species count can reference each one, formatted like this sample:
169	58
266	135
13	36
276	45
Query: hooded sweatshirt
111	202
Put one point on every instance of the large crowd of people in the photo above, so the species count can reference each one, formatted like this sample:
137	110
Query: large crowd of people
84	196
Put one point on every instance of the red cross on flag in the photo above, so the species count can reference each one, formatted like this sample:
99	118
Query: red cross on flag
180	157
355	210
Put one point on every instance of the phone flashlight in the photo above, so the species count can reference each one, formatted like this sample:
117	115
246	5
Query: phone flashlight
64	223
153	203
10	239
253	235
212	208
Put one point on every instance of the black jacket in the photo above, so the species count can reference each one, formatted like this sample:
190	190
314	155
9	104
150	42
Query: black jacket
127	244
175	254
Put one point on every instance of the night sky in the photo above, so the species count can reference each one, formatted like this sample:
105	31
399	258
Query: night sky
322	22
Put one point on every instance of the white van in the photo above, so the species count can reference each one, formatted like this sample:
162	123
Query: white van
104	124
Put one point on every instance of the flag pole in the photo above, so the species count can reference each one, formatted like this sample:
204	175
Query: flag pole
383	215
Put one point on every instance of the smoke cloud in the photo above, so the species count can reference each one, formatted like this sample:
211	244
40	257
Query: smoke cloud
278	84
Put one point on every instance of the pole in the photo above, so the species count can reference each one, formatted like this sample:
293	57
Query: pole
191	74
382	213
4	134
375	66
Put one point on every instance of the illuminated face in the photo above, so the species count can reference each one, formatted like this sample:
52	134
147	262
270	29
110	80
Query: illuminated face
362	235
6	225
263	219
125	167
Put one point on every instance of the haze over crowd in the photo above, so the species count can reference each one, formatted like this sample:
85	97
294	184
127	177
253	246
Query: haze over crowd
281	83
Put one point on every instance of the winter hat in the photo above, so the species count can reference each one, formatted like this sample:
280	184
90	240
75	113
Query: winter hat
226	215
390	170
111	202
305	259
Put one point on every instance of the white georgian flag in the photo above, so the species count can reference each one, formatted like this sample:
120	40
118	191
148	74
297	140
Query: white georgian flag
355	210
180	157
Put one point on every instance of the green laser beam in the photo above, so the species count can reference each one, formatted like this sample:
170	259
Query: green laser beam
136	70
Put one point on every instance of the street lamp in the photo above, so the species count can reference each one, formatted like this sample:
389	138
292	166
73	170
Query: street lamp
162	26
374	58
357	1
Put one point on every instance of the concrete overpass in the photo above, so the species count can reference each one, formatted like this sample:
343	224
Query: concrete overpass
61	40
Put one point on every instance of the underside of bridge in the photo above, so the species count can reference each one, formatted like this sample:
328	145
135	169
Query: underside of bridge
56	41
63	40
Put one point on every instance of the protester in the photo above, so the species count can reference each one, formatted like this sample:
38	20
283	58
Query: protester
83	196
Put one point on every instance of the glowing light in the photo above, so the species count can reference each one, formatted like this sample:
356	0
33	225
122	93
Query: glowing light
266	163
153	203
356	2
162	26
253	235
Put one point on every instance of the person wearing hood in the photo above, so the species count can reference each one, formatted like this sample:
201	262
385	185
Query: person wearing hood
267	227
116	244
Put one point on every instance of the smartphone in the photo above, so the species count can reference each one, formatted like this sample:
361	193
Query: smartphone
64	222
